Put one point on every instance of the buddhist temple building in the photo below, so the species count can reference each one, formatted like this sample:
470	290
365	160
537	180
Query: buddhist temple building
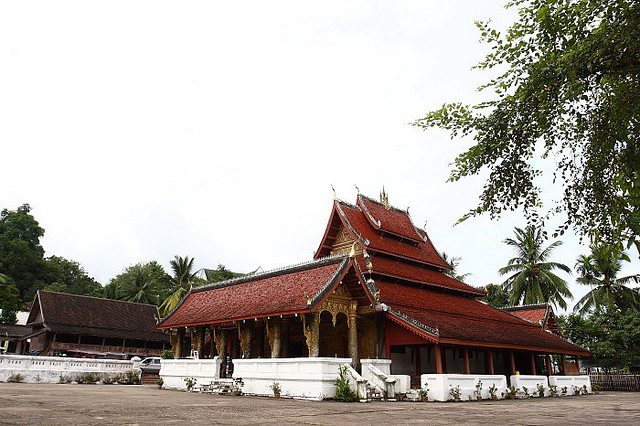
376	289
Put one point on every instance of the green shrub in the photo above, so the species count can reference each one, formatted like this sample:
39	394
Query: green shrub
64	379
166	354
344	393
16	378
160	383
86	378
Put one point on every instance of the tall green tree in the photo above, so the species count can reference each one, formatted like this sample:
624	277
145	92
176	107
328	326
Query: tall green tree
181	282
567	89
21	255
68	276
496	295
454	261
142	283
9	300
221	273
531	278
600	270
613	337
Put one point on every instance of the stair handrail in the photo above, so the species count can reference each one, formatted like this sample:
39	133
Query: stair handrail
381	380
360	382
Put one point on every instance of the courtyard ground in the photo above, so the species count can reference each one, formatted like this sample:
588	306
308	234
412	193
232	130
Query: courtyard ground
26	403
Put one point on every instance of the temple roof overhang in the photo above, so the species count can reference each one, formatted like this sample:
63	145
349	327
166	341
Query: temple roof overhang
296	289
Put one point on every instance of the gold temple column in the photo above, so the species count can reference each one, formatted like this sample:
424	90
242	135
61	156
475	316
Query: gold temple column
244	335
312	333
220	337
178	348
200	340
547	360
274	335
353	333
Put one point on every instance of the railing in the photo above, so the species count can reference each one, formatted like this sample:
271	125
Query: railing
616	381
357	381
381	380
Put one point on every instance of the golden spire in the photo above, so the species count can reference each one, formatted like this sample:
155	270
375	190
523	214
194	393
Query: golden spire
384	199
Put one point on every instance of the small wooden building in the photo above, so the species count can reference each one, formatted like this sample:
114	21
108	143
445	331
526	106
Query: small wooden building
82	326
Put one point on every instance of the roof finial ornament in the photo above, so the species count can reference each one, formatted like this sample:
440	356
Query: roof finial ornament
384	198
367	261
357	189
335	197
352	253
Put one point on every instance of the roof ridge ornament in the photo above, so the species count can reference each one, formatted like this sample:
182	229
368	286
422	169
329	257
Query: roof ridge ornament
335	196
384	199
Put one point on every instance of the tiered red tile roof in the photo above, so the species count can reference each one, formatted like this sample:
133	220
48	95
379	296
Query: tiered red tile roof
460	319
290	290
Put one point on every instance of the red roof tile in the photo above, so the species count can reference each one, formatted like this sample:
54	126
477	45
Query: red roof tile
417	273
423	251
535	316
465	319
271	293
391	220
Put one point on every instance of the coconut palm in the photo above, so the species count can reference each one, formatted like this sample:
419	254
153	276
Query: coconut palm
531	278
600	270
142	283
181	281
454	261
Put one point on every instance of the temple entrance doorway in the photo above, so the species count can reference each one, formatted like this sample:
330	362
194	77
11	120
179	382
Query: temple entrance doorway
334	339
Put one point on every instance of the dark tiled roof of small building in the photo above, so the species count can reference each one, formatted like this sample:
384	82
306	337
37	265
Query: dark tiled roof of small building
76	314
289	290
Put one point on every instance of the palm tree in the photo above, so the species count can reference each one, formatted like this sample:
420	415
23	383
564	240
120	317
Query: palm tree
532	279
600	270
181	281
139	285
454	261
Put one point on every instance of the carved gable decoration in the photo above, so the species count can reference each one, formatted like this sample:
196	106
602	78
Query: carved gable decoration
340	301
343	242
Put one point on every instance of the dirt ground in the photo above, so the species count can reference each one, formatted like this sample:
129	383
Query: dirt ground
25	403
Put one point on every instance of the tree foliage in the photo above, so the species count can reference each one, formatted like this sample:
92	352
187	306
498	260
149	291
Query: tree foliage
600	270
9	300
21	255
613	337
142	283
181	282
454	261
221	273
531	278
496	295
568	90
68	276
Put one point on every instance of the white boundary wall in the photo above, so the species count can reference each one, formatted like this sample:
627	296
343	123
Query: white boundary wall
439	385
568	381
308	378
48	369
531	383
174	371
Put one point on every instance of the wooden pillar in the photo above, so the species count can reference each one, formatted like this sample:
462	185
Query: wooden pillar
532	359
547	359
438	355
220	338
562	362
490	361
274	335
512	361
286	338
244	335
418	360
178	351
353	334
200	347
467	369
212	349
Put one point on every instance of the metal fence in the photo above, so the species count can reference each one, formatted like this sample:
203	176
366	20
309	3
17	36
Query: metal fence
616	381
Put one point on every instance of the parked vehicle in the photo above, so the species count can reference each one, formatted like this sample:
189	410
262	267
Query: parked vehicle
150	365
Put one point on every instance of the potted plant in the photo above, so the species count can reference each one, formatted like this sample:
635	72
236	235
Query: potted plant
190	382
576	390
584	390
275	387
159	383
564	391
423	393
540	390
493	390
454	391
525	392
478	391
553	390
511	392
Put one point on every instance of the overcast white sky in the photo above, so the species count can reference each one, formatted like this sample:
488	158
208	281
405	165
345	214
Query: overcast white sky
142	130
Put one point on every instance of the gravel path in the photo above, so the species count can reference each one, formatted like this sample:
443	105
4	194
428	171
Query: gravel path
26	403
